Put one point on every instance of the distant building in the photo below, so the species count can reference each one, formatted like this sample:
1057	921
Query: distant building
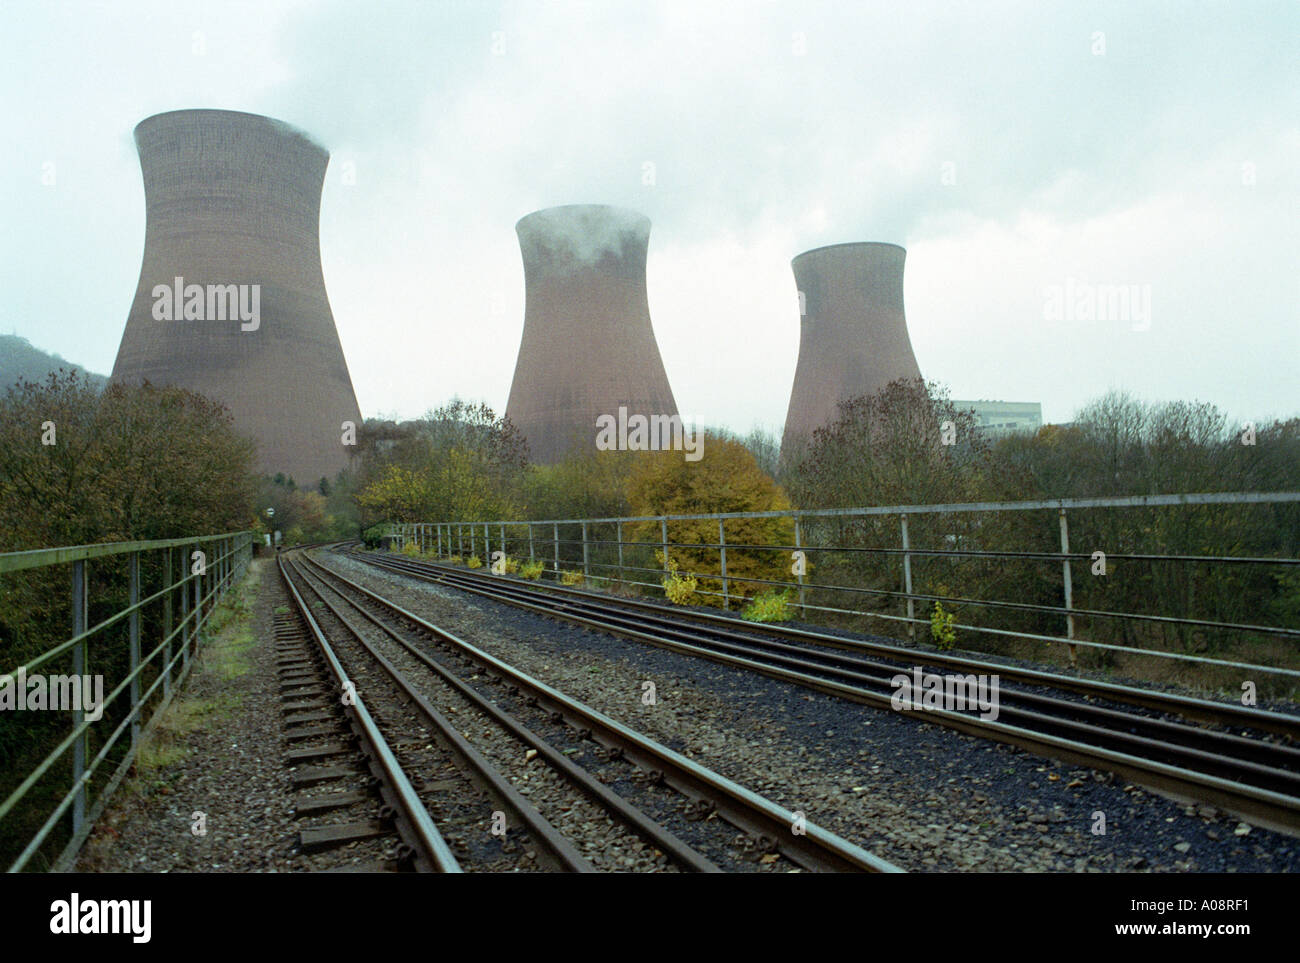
997	419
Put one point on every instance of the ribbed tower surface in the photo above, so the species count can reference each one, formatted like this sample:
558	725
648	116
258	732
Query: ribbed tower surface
234	198
588	345
853	337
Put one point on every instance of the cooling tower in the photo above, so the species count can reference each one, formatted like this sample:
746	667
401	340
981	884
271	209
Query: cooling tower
853	337
233	207
588	346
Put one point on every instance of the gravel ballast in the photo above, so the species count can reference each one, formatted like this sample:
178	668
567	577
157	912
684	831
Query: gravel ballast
920	795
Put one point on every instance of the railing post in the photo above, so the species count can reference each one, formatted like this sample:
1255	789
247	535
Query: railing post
907	582
619	537
80	653
185	612
504	548
1069	587
471	541
168	621
530	541
439	532
487	546
556	533
722	565
663	531
798	545
198	602
584	550
133	632
460	541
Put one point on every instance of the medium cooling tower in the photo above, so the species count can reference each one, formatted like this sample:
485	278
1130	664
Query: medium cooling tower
588	345
233	206
853	338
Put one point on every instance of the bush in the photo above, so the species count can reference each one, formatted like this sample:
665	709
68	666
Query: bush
456	560
769	606
945	636
571	578
680	589
533	570
475	562
411	549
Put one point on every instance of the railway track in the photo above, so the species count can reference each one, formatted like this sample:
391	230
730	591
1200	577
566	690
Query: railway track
340	761
522	775
1243	760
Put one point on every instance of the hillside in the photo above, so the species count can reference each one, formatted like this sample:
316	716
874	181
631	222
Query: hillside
20	360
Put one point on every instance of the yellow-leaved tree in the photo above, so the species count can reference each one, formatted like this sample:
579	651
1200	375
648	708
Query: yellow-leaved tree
725	479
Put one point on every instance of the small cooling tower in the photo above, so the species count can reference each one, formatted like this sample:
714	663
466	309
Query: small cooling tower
588	346
853	337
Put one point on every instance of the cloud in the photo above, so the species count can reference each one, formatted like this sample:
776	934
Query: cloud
991	140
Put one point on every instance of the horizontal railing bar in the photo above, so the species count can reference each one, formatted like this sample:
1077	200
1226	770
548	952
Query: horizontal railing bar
1116	501
116	617
40	557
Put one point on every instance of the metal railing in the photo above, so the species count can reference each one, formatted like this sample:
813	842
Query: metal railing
147	683
957	533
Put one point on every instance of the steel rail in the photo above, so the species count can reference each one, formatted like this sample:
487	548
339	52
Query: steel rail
429	842
1278	810
562	852
1272	763
631	816
816	848
1202	710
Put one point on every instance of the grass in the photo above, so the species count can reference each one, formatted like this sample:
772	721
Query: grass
223	655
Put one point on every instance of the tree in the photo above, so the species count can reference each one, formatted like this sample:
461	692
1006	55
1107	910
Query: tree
726	479
459	463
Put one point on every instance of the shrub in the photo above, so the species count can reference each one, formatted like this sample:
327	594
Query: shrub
475	562
945	636
571	578
505	565
680	589
456	560
771	606
533	570
412	549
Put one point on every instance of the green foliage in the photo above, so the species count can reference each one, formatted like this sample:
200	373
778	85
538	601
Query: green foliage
586	484
533	570
474	562
412	549
459	462
132	463
770	606
945	636
571	579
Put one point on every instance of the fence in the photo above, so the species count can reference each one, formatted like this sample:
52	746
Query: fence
145	687
1023	549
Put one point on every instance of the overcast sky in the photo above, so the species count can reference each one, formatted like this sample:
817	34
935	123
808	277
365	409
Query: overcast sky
1010	147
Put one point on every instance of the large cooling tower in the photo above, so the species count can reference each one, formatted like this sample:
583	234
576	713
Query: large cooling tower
233	199
588	346
853	338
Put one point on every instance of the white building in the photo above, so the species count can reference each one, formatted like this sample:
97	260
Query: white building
997	419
